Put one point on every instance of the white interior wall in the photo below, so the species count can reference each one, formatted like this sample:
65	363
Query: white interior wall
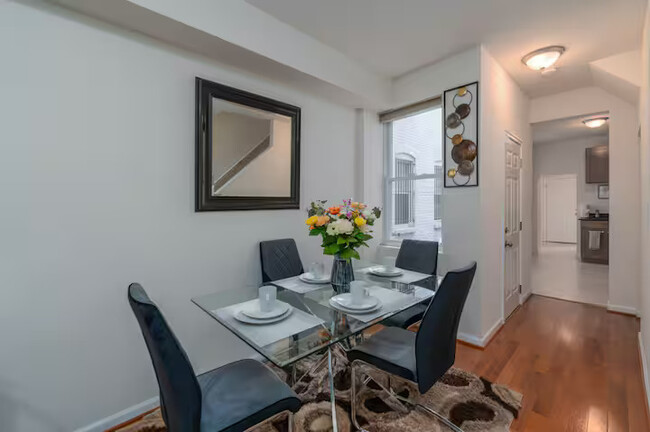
504	107
644	102
460	206
624	183
566	157
97	180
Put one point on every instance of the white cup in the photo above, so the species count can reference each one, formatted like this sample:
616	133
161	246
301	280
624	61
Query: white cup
267	296
358	291
389	263
317	270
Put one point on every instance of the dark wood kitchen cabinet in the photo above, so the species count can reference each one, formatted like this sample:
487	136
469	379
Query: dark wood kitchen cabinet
598	255
597	168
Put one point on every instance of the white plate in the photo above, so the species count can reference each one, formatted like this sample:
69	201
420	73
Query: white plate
252	310
308	278
336	305
384	272
239	316
345	300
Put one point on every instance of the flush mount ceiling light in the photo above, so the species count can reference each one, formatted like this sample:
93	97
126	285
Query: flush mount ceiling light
543	58
595	122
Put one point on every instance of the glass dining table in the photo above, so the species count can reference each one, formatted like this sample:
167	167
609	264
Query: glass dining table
315	325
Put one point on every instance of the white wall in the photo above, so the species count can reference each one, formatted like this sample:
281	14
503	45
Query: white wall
504	107
472	218
97	185
644	101
460	207
624	183
566	157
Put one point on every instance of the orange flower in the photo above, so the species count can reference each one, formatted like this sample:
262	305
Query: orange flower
354	205
322	220
334	210
311	228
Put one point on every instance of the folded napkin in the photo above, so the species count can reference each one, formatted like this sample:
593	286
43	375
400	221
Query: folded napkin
265	334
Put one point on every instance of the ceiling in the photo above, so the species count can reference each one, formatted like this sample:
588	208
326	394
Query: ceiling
567	129
392	37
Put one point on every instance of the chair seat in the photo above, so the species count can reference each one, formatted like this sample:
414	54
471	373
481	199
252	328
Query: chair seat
242	394
408	317
392	350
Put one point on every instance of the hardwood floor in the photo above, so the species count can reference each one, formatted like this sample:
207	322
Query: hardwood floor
577	366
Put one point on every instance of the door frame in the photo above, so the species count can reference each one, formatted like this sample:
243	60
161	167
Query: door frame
512	138
542	203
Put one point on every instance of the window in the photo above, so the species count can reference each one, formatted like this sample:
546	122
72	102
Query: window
404	190
414	175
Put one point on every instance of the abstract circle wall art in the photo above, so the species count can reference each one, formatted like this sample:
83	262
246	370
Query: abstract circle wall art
461	153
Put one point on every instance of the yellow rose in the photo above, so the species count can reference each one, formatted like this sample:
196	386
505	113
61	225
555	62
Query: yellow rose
322	220
312	220
359	221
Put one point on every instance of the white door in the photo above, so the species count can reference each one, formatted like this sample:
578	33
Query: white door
561	208
512	254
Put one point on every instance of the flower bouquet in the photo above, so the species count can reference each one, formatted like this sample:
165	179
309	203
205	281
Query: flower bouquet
344	229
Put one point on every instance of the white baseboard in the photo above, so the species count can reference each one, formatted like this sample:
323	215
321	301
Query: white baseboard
644	370
622	309
480	341
122	416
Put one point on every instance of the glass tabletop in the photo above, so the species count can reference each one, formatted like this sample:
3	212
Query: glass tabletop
313	323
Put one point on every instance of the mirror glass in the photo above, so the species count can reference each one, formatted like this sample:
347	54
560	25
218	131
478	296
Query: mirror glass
251	151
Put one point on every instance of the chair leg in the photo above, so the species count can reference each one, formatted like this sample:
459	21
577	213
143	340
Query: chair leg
429	410
353	395
392	393
290	422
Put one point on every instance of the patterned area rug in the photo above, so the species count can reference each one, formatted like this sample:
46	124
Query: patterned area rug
471	402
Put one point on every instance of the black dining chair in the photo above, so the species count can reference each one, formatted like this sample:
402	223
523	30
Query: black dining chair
420	256
231	398
422	357
279	259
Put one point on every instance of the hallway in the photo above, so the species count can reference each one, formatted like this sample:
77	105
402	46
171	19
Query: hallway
557	272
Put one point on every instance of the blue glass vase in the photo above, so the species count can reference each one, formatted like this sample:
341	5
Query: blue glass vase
342	274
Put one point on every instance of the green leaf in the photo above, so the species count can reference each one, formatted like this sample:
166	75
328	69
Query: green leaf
315	232
332	249
341	240
328	240
348	253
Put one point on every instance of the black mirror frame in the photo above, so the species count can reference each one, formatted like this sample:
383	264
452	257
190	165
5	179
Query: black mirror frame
205	91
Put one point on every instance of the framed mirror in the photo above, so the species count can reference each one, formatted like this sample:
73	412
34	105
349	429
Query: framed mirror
247	150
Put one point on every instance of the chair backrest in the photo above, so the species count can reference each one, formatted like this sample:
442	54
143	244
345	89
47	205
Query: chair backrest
180	394
435	343
418	255
279	259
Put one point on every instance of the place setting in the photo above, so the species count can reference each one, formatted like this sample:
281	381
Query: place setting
315	278
266	319
387	269
357	301
316	274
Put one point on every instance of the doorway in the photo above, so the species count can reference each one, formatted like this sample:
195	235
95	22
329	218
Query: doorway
566	194
559	208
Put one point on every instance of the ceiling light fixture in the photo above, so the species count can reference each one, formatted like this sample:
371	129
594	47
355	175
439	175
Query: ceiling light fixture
595	122
543	58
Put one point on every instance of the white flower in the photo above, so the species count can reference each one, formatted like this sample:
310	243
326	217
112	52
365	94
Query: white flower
366	213
340	226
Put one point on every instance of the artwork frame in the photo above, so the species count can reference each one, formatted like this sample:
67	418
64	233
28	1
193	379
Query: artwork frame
603	191
205	199
460	136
